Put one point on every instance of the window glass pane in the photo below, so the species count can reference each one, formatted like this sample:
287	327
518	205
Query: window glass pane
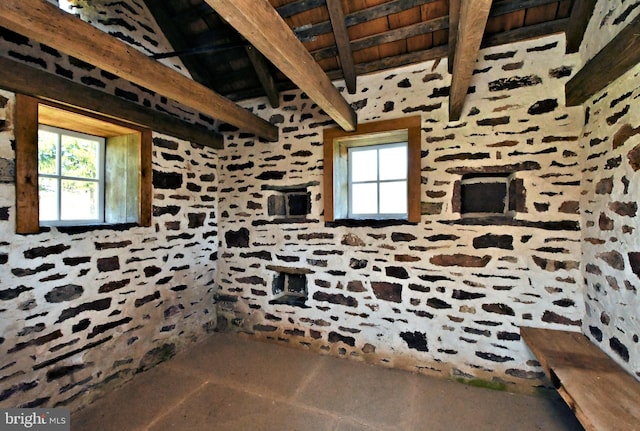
393	163
393	197
48	198
364	198
364	165
79	200
79	157
47	152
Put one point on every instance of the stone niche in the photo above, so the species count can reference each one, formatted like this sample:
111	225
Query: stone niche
289	202
289	286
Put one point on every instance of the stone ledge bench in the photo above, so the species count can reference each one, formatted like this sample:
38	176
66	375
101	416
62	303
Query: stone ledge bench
602	394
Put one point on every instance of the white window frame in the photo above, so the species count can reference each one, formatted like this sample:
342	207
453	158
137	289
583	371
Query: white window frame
100	180
355	147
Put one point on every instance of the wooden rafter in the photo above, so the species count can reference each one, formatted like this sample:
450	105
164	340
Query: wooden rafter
473	20
369	14
454	19
261	25
44	22
24	79
342	42
615	59
264	75
580	15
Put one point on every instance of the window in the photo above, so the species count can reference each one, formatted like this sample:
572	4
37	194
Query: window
75	167
373	173
378	181
70	177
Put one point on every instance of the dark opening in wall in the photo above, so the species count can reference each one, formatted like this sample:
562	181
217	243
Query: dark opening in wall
292	203
289	286
489	194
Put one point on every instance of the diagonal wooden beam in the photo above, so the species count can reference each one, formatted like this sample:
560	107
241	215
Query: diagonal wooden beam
581	13
261	25
336	14
454	19
42	21
615	59
473	20
264	75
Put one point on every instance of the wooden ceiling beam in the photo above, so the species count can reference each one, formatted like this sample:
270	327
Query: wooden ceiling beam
265	77
473	20
454	19
581	13
614	60
261	25
44	22
297	7
341	37
24	79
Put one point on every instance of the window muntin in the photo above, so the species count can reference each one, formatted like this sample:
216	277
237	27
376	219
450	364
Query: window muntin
378	181
70	177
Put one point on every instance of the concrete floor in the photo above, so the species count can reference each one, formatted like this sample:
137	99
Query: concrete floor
232	383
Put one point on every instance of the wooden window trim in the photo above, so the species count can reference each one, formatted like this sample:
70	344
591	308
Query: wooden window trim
26	147
412	125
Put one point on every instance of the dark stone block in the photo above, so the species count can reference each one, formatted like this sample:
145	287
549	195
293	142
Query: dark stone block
633	157
4	258
551	317
596	332
98	305
388	107
152	270
554	265
264	255
623	134
169	209
508	336
239	238
499	309
108	245
402	237
339	298
613	163
604	186
494	121
396	272
419	288
8	294
627	209
613	258
167	180
93	82
81	325
618	347
463	156
422	108
462	260
514	82
438	303
464	295
64	293
442	237
634	261
240	166
405	83
493	357
37	341
24	272
387	291
128	95
543	106
106	264
500	55
415	340
356	286
164	143
271	175
570	207
605	223
141	301
496	241
66	73
99	329
196	220
335	337
4	213
59	372
614	118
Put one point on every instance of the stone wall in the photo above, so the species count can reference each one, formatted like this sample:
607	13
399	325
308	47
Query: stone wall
610	196
84	309
445	296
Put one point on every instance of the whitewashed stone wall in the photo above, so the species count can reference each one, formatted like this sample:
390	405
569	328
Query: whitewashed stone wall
82	310
611	192
442	296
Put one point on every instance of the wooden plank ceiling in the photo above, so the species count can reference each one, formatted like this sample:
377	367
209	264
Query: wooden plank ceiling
349	38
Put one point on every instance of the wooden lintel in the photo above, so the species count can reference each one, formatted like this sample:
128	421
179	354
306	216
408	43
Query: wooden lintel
454	18
261	25
21	78
345	54
615	59
26	130
473	19
264	75
44	22
581	13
